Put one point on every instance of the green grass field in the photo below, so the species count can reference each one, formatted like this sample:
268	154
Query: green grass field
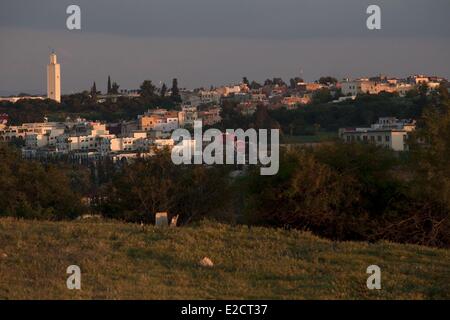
123	261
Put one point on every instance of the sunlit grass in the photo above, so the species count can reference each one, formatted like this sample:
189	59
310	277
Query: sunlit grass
123	261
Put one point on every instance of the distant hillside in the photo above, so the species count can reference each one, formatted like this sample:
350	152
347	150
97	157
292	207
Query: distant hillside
123	261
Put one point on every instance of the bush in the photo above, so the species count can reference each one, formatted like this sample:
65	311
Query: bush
28	189
147	186
349	192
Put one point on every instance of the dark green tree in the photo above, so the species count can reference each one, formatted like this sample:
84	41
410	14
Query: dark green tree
175	91
108	90
115	88
94	91
255	85
327	80
322	96
147	90
163	90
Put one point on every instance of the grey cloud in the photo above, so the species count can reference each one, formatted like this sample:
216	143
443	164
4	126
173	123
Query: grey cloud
234	18
205	42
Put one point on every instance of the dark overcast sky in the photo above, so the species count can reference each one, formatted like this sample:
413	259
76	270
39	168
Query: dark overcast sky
205	42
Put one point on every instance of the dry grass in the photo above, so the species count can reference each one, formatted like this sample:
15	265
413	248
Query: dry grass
121	261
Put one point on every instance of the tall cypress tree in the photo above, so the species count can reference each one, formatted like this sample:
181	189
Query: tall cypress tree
109	85
94	90
175	91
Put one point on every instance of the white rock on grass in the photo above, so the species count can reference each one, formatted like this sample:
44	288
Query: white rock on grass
206	262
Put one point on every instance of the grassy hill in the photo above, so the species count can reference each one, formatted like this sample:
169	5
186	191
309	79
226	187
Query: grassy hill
123	261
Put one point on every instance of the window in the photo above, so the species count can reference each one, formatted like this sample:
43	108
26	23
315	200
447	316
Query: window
387	138
379	138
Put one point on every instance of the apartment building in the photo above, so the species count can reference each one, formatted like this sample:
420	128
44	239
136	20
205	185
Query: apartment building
360	86
137	142
208	97
20	132
93	142
40	140
229	90
388	132
210	116
294	101
188	115
158	120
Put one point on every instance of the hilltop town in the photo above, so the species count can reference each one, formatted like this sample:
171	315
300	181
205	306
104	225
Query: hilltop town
86	139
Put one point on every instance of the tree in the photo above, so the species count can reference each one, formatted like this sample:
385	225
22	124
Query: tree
175	91
148	186
262	119
147	90
430	153
327	80
115	88
31	190
322	96
94	91
163	90
108	90
279	82
304	194
245	81
255	85
293	83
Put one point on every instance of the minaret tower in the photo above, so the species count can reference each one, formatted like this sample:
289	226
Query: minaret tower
54	79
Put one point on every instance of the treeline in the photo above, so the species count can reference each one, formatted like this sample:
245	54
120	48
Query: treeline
85	105
131	192
329	117
79	105
352	192
363	111
31	189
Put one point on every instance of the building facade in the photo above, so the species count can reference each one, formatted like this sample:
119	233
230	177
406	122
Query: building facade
387	132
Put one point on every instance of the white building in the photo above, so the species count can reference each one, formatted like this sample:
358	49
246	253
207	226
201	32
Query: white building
93	142
362	86
54	79
388	132
41	140
20	132
188	115
228	90
158	120
15	99
138	142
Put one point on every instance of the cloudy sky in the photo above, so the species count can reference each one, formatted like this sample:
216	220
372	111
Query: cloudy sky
213	42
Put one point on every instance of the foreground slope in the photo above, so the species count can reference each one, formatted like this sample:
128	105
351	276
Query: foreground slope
123	261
